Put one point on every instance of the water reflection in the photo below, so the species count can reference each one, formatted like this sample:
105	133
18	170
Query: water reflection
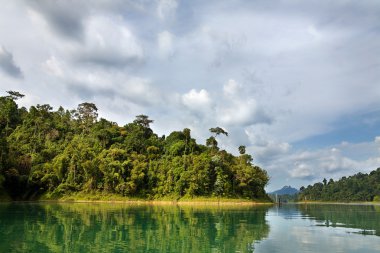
365	218
125	228
322	228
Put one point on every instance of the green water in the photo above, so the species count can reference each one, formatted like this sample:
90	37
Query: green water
39	227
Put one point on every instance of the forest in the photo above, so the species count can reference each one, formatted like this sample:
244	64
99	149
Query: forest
49	154
359	187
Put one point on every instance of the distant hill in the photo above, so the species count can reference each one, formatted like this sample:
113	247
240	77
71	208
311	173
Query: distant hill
286	190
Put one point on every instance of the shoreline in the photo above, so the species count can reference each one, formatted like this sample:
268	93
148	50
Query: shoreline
184	202
147	202
162	202
231	202
364	203
169	200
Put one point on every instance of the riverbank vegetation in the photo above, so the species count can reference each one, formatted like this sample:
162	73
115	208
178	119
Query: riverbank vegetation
359	187
57	153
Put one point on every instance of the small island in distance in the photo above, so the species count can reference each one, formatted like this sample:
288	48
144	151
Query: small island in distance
71	154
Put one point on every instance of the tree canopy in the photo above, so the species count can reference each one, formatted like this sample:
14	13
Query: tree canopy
53	153
143	120
359	187
242	149
218	131
15	95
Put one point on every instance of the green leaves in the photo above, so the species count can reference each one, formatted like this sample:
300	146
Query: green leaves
242	150
359	187
143	120
61	152
14	95
218	130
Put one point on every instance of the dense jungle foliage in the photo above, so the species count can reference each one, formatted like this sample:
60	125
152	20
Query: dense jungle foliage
58	153
359	187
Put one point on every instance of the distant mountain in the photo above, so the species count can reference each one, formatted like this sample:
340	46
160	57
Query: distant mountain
287	189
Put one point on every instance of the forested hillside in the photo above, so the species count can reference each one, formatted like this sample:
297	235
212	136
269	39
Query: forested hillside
59	152
359	187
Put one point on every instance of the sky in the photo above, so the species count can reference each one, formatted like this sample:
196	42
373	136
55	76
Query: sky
296	82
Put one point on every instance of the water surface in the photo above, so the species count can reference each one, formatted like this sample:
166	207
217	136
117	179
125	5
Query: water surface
68	227
322	228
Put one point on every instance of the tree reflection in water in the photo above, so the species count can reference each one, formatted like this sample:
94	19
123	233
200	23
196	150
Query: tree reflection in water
127	228
363	217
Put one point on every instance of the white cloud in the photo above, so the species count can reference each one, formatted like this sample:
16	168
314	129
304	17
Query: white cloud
165	44
102	85
231	88
238	108
314	32
53	66
312	166
198	101
166	8
110	90
109	42
272	149
238	112
302	171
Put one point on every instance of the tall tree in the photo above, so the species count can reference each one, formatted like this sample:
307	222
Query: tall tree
87	114
15	95
143	120
217	131
212	142
242	149
187	135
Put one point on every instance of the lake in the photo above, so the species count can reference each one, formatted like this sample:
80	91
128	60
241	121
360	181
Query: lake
84	227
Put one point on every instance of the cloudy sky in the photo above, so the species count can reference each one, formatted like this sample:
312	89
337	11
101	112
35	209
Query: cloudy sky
297	82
